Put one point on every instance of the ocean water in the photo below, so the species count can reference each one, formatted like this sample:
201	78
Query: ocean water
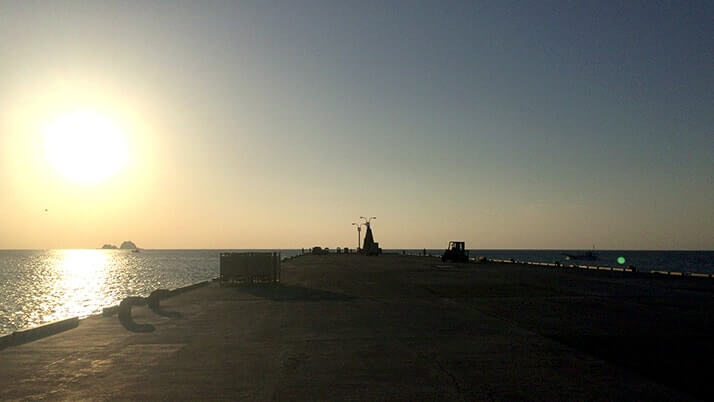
41	286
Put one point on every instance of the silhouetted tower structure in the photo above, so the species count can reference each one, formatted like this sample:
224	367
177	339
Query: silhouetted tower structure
369	246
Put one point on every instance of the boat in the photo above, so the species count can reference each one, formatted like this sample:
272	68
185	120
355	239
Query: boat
586	256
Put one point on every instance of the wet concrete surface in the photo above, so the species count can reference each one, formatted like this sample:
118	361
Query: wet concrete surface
347	327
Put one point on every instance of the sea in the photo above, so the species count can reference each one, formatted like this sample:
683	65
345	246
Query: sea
41	286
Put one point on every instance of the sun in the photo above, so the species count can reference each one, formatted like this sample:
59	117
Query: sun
85	147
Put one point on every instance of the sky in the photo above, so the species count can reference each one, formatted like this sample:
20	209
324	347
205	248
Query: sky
252	124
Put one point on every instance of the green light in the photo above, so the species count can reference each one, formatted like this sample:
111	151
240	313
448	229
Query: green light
620	260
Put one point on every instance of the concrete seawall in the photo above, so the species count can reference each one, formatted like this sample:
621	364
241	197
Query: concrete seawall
32	334
628	269
392	327
22	336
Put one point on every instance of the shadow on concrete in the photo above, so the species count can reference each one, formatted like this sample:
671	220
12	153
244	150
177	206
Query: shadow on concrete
130	325
682	362
165	313
279	292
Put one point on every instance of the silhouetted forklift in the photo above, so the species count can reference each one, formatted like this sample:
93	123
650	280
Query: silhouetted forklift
456	252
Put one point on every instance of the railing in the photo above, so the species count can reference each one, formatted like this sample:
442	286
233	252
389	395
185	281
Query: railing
609	268
249	267
629	269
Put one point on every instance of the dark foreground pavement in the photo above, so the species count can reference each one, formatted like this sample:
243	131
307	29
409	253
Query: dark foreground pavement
345	327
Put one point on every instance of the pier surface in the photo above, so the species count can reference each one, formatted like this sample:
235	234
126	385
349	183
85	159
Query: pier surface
347	327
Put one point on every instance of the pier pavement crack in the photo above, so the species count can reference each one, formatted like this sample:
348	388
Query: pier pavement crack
454	381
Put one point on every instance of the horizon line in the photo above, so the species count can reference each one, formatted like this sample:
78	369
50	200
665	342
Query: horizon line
388	249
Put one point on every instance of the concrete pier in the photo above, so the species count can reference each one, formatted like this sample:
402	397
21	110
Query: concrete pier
351	327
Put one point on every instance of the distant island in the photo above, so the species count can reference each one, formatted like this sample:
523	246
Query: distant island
127	245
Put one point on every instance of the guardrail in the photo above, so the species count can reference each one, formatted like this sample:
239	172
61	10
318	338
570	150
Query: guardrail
610	268
560	265
630	268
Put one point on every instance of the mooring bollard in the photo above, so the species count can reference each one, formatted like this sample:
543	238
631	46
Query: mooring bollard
125	317
154	300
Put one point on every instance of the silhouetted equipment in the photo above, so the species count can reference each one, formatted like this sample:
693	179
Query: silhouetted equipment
249	267
456	252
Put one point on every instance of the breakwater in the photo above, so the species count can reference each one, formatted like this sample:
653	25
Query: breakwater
645	260
674	263
22	336
395	327
42	286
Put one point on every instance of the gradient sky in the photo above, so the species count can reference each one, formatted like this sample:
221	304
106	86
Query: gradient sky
259	124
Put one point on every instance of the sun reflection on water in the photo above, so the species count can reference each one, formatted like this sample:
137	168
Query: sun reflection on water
80	277
39	286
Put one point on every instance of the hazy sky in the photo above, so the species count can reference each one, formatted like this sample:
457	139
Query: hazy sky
540	124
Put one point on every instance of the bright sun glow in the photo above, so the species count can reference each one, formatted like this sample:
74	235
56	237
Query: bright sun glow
85	147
